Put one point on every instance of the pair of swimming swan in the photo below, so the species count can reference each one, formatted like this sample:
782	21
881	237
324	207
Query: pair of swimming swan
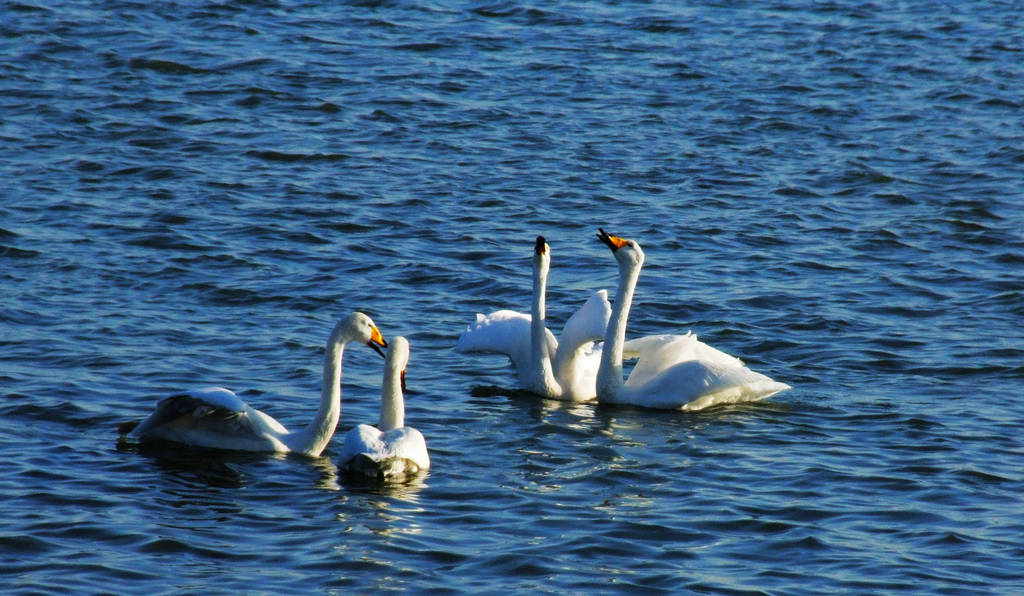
217	418
672	371
562	368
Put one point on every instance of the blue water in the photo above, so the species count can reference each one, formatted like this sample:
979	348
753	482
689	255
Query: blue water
194	192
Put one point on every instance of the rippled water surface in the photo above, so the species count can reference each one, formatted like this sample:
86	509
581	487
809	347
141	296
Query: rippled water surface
194	192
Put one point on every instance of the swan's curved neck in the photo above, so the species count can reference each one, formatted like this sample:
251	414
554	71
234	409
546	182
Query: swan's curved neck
392	402
542	377
314	438
609	373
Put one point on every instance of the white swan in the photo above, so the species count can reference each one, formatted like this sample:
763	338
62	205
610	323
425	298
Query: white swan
560	369
390	450
217	418
673	371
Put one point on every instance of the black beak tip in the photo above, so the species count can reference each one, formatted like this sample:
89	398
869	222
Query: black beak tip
377	348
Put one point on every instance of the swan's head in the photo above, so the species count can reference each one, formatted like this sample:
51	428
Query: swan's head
360	328
541	253
627	252
398	357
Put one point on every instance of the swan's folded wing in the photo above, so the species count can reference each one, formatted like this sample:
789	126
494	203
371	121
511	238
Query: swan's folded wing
656	354
637	348
733	385
588	323
665	350
698	384
213	410
681	372
502	332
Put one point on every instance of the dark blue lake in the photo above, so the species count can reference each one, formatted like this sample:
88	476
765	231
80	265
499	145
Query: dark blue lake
195	192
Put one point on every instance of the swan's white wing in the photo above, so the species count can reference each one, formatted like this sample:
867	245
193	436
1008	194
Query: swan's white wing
502	332
734	385
678	371
588	323
577	358
642	346
656	353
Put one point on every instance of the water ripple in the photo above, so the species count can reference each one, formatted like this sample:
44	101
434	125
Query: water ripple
195	198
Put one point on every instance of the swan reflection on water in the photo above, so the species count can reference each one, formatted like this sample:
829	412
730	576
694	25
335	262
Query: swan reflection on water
382	508
221	468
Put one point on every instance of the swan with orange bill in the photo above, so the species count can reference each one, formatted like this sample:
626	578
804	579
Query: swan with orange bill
672	371
216	418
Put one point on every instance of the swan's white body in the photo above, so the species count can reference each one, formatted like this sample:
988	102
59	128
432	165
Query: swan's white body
390	450
673	371
216	418
560	369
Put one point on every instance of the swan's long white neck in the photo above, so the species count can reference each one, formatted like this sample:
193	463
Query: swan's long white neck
609	373
314	438
542	377
392	402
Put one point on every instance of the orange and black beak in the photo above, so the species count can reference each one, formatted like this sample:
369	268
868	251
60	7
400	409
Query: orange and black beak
541	246
377	341
612	242
401	378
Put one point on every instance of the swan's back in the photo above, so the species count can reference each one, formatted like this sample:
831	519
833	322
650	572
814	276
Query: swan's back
211	418
395	454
